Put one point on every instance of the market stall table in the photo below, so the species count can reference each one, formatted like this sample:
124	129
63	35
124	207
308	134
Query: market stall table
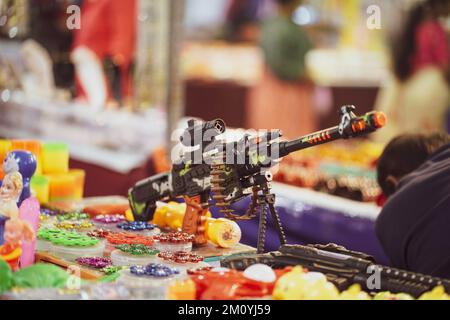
312	217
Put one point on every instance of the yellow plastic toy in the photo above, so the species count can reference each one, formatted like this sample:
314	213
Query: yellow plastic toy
386	295
182	290
354	292
437	293
62	188
40	187
222	232
79	177
55	158
300	285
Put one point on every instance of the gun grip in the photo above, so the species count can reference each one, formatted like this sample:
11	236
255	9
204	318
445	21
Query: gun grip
194	221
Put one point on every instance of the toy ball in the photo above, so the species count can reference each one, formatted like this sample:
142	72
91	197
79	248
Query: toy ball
300	285
386	295
260	273
354	292
437	293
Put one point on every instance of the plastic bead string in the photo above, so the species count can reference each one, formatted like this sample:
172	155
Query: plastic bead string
136	249
51	212
48	234
99	233
94	262
196	271
109	219
74	225
73	216
175	237
112	269
136	226
129	238
154	270
180	257
44	217
67	239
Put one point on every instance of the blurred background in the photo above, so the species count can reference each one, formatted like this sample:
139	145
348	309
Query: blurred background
112	79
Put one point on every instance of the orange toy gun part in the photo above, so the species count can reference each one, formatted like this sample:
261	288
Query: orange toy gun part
194	221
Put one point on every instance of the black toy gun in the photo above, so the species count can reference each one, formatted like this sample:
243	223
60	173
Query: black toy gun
231	171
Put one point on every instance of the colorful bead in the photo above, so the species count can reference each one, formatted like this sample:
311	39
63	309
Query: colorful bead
154	270
65	238
99	233
109	219
73	216
136	226
94	262
175	237
129	238
51	212
136	249
74	225
199	270
180	257
111	269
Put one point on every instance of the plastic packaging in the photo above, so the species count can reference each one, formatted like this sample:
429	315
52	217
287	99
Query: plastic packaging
43	245
120	258
173	242
146	287
72	253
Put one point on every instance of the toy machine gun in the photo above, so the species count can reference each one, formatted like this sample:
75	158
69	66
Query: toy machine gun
232	171
343	268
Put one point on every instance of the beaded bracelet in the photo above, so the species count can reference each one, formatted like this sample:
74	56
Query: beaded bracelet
109	219
44	217
112	269
180	257
75	241
99	233
154	270
48	234
68	239
197	271
136	249
175	237
73	216
74	225
51	212
129	238
136	226
94	262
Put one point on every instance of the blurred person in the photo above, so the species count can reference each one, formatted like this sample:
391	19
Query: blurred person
417	99
414	174
108	34
242	19
283	99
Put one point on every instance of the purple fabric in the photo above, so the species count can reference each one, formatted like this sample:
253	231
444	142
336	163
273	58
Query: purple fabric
305	224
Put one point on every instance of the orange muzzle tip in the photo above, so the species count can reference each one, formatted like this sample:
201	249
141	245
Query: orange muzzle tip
379	119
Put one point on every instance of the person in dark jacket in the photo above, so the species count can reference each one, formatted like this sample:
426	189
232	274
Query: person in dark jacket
414	225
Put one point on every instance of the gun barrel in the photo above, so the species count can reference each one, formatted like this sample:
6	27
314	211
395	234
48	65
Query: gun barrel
359	126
